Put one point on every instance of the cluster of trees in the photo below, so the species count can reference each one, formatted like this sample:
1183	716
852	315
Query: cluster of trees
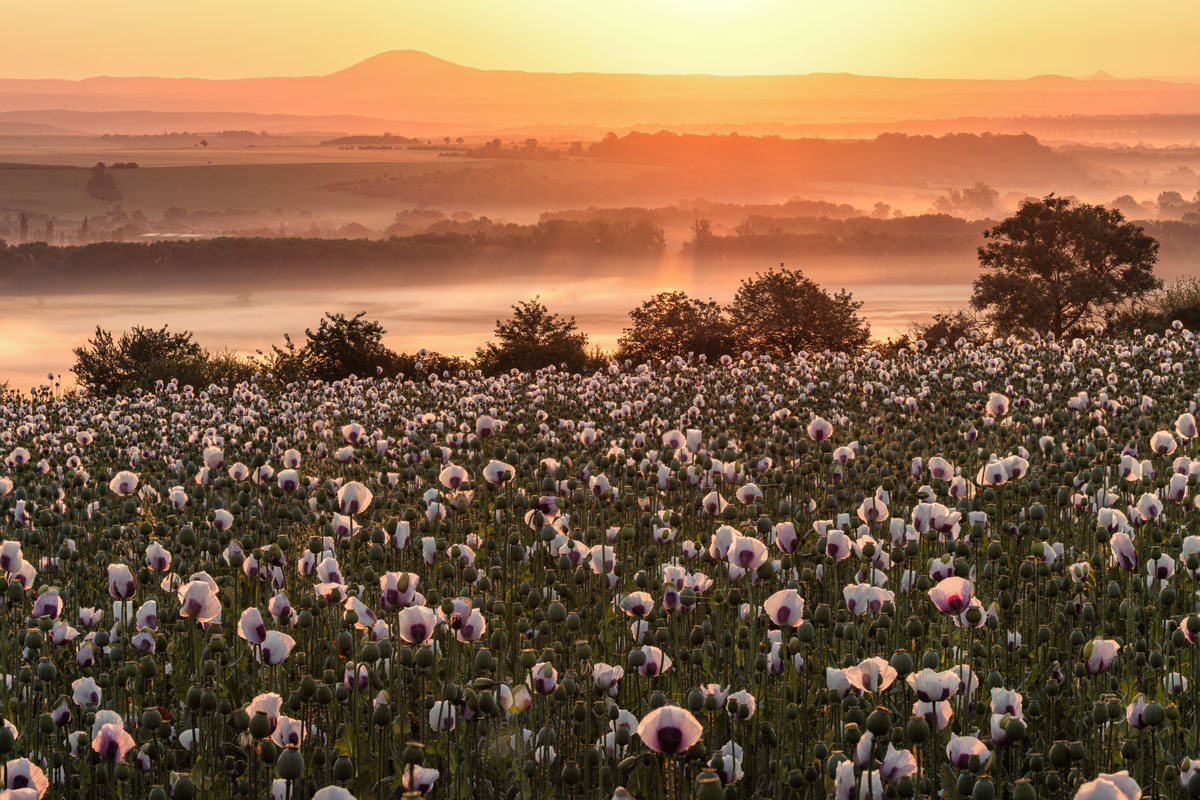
979	200
779	312
102	186
1169	205
764	236
776	313
340	346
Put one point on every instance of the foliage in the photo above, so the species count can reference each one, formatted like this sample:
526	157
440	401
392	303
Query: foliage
143	356
671	324
1056	266
947	327
782	312
533	338
343	346
1178	301
102	186
970	201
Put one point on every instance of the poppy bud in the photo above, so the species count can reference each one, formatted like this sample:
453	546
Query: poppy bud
260	725
343	769
290	764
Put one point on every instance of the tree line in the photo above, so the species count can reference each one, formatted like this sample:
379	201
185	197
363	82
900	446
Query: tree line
1056	267
232	259
777	312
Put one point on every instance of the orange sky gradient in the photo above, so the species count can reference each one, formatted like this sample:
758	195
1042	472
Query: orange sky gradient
930	39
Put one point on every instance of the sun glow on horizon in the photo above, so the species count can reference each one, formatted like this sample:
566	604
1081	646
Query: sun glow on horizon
933	38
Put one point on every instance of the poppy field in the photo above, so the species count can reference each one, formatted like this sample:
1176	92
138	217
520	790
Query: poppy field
963	571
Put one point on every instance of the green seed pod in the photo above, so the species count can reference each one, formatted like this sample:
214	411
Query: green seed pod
290	764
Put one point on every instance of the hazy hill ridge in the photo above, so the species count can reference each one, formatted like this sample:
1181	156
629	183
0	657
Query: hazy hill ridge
412	85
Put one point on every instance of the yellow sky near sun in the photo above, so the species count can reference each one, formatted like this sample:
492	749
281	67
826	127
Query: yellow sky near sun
917	38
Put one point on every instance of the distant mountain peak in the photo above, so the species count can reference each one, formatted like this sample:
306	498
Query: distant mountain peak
1100	75
392	62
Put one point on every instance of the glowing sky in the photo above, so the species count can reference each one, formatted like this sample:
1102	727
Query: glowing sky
918	38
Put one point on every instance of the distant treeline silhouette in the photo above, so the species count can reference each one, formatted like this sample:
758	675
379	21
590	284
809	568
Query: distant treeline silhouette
665	166
890	158
37	267
480	248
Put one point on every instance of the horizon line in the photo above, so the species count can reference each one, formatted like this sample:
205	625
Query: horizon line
409	51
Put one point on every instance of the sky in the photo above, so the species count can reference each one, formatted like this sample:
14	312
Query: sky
913	38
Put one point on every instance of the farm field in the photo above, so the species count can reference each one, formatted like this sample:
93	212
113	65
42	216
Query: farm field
955	569
245	184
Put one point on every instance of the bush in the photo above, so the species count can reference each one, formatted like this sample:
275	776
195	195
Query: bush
1176	301
534	338
782	312
143	356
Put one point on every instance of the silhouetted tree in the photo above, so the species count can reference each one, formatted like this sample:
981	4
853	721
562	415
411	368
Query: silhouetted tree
782	312
343	346
670	324
1054	266
702	234
102	186
977	199
534	338
142	356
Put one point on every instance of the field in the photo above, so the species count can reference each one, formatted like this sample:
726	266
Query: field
966	569
252	180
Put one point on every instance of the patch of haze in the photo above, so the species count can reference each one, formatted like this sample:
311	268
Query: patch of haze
37	338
